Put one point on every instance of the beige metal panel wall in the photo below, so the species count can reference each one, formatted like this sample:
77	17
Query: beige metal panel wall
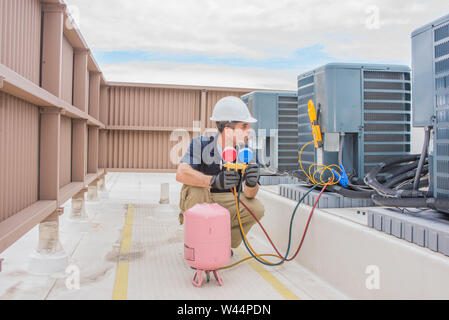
67	71
94	94
153	107
20	27
140	150
102	149
212	98
141	119
86	149
104	105
92	153
35	129
65	158
81	80
79	151
19	141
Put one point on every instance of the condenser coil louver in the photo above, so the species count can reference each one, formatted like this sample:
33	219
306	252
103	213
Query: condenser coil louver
369	104
277	111
430	64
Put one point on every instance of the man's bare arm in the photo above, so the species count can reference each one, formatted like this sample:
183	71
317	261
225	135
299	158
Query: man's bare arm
250	193
191	177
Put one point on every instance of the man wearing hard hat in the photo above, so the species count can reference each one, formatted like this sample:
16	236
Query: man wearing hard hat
204	178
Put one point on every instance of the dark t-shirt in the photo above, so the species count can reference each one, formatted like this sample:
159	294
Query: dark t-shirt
204	155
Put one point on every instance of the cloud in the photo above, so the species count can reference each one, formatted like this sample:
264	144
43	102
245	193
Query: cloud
256	31
200	74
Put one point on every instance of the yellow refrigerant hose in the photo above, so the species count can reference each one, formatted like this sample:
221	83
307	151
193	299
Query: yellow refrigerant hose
318	168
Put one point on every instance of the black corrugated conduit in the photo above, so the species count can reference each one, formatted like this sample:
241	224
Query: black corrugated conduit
394	182
408	195
371	178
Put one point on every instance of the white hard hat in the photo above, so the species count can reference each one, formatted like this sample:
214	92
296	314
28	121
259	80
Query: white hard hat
232	109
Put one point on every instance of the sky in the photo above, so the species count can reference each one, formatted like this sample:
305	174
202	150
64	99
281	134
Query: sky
261	44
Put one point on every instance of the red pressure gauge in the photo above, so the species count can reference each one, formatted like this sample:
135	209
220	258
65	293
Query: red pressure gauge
229	154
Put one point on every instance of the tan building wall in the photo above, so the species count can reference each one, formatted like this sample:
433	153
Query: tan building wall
43	137
20	27
19	141
141	118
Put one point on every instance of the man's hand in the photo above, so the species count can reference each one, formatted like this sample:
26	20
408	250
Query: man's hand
252	175
225	180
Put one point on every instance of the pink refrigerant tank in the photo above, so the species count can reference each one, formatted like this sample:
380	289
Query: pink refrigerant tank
207	239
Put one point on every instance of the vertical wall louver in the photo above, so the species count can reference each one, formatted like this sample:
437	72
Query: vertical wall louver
369	104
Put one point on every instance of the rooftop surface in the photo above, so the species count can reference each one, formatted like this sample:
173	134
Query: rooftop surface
333	264
157	269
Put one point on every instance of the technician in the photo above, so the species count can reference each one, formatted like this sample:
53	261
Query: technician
204	178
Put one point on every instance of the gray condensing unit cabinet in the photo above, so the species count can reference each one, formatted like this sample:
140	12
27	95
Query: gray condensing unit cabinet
276	111
430	64
367	108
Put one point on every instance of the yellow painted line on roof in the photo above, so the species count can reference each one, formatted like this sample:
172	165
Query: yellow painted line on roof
269	277
121	277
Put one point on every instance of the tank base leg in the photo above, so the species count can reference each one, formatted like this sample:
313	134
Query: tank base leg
220	282
199	275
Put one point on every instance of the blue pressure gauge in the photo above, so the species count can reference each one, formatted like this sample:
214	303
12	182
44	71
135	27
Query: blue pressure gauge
246	155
